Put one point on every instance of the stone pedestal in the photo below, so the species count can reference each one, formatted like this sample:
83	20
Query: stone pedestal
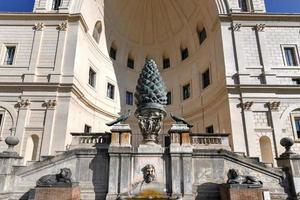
55	193
121	135
241	192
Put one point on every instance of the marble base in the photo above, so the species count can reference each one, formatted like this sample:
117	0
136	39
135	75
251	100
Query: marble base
55	193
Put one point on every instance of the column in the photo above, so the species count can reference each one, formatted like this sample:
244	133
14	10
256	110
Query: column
188	176
36	47
125	172
61	43
23	106
47	138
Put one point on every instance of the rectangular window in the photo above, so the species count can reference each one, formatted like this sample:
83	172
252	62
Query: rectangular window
87	128
56	4
184	53
129	98
243	4
166	63
169	98
290	56
113	53
210	129
110	91
130	63
9	55
205	79
202	36
92	77
297	124
186	91
296	81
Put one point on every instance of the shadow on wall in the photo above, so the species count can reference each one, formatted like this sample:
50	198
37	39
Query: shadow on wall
100	169
207	191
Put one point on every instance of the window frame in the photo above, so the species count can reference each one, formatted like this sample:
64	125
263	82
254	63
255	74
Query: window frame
3	113
293	116
94	79
114	91
209	78
184	53
4	50
190	91
89	128
171	97
200	35
166	63
132	97
208	127
54	7
247	3
130	63
296	54
113	53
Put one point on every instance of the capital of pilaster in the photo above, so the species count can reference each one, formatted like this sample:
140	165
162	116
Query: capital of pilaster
273	106
63	26
247	105
23	104
39	26
236	27
50	104
260	27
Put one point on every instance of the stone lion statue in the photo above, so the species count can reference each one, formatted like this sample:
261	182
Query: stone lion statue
149	173
62	178
234	177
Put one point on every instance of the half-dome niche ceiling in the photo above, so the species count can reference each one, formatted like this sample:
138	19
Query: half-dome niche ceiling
151	22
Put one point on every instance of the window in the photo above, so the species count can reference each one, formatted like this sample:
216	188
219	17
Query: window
9	55
184	53
113	52
129	98
297	126
169	98
243	4
97	31
56	4
210	129
186	91
202	35
87	129
290	56
166	63
92	77
130	63
110	91
205	79
296	81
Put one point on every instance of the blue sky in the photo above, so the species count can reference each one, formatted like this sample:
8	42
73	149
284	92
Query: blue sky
284	6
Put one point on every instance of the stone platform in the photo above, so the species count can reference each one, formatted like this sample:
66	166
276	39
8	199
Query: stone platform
241	192
55	193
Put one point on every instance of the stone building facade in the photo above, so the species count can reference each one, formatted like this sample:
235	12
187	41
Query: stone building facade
72	65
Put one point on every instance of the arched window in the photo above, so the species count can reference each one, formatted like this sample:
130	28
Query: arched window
184	52
266	150
97	31
113	51
201	32
32	148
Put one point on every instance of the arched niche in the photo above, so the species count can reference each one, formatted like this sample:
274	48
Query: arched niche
32	145
97	31
266	150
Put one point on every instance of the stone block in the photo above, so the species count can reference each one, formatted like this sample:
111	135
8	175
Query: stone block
55	193
241	192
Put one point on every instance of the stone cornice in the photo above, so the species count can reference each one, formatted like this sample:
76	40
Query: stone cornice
44	17
259	17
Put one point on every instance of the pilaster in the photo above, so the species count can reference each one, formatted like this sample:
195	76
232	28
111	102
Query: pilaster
23	106
48	128
37	42
249	126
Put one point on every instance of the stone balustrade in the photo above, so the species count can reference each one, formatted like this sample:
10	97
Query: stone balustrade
210	140
90	140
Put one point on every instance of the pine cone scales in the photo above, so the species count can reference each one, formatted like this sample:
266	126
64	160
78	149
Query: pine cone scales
150	87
